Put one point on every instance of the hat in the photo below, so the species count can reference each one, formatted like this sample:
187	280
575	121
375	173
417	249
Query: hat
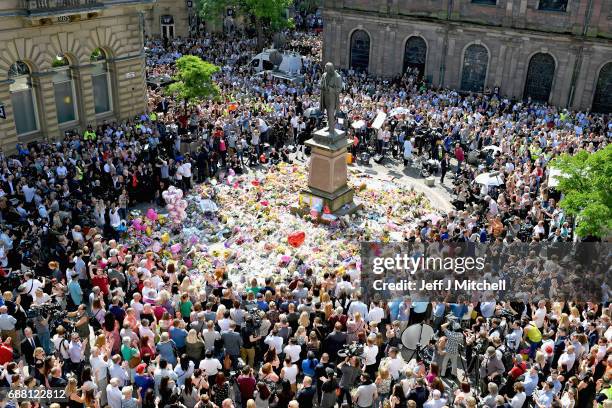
490	351
140	368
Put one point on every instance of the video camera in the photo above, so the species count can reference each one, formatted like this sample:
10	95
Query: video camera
351	350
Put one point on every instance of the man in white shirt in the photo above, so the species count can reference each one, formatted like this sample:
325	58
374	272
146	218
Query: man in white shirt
358	306
395	363
436	402
293	350
366	393
99	367
117	372
568	358
274	340
31	284
539	314
210	365
376	313
113	393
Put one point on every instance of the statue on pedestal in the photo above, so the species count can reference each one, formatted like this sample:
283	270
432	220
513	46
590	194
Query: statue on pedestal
330	86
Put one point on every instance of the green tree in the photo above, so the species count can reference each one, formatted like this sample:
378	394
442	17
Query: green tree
194	80
270	15
586	183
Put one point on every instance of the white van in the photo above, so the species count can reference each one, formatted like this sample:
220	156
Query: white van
292	62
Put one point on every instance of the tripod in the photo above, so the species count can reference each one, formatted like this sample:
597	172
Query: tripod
419	351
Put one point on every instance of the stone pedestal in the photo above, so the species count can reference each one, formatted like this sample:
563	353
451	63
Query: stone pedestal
327	173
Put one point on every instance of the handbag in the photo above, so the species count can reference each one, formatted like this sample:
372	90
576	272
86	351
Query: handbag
134	361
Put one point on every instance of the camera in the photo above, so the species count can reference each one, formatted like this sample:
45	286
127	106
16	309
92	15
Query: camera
351	350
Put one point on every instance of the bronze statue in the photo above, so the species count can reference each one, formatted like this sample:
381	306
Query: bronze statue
330	86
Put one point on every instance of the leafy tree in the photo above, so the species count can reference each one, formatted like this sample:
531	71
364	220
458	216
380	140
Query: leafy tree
586	183
270	15
194	80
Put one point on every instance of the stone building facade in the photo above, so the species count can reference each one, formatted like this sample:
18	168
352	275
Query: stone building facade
558	51
170	18
65	64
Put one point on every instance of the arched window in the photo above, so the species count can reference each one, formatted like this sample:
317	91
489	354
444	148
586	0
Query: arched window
100	77
360	50
602	102
415	54
63	87
23	98
475	64
540	75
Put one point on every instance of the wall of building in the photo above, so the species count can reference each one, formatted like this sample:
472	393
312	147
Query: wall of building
175	8
117	30
512	31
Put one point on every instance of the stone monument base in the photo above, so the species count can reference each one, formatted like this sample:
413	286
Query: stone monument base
327	173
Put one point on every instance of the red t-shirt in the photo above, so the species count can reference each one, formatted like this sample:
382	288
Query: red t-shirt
101	281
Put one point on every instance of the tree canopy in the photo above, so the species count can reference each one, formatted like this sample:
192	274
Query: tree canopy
586	183
269	14
194	80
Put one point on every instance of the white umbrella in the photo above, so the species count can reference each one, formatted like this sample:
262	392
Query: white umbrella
398	111
495	149
489	179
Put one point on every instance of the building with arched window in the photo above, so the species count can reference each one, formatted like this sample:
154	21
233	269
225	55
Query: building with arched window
66	65
553	51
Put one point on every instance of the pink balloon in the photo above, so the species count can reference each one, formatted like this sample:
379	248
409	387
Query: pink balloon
156	247
188	263
175	249
151	214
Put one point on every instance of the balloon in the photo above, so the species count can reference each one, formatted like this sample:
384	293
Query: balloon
295	239
151	214
165	237
264	203
285	259
156	247
149	231
175	249
255	183
188	263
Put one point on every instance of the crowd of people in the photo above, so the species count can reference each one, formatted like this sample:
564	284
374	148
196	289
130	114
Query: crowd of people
84	312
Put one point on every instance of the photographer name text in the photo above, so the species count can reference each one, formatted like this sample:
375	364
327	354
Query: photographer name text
439	284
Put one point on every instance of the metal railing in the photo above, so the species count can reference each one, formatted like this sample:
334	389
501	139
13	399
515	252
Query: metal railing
58	5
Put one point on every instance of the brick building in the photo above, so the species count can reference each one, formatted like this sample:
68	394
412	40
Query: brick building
559	51
65	64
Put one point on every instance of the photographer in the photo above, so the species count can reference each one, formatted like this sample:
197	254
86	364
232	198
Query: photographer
350	370
454	341
249	340
491	368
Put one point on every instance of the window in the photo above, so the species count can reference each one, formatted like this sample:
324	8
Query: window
485	2
100	77
475	65
167	26
360	50
552	5
63	86
540	75
23	98
602	102
415	54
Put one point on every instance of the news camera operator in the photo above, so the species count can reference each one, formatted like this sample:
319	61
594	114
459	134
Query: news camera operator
455	340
